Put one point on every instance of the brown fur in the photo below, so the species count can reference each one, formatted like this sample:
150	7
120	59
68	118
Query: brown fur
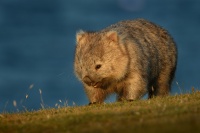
129	58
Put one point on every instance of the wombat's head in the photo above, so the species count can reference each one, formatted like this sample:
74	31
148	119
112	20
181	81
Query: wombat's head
100	58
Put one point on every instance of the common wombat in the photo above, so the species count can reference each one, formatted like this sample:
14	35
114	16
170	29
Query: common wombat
128	58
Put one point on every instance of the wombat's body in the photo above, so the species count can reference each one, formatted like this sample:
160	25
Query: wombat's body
129	58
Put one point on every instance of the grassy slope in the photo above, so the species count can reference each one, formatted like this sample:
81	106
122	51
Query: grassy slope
179	113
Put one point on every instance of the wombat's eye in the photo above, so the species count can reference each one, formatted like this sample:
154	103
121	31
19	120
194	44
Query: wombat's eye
97	66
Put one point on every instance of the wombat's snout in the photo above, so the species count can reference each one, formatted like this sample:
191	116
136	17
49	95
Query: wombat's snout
87	80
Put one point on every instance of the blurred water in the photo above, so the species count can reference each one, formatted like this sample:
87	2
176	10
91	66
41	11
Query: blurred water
37	41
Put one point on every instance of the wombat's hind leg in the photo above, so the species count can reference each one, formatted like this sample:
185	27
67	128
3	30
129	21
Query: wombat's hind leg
151	91
163	85
120	97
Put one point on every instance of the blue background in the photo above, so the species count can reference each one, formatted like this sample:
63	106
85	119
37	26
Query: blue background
37	43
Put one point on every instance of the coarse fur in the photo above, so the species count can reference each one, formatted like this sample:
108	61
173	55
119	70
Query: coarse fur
129	58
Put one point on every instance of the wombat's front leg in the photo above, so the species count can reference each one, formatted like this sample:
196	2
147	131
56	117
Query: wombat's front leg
133	90
95	95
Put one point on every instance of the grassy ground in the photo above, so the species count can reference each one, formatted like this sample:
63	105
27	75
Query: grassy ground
180	113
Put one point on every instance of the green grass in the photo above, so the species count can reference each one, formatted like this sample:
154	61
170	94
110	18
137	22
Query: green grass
180	113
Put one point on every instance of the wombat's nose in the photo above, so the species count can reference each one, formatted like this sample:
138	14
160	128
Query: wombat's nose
87	80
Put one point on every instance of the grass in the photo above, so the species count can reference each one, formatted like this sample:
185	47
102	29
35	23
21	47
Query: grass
179	113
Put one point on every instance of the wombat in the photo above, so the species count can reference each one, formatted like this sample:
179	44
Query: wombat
129	58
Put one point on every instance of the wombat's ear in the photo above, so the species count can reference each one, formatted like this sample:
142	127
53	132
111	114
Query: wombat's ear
80	35
112	35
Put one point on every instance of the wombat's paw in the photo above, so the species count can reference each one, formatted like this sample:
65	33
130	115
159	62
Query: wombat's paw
125	100
94	103
130	100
